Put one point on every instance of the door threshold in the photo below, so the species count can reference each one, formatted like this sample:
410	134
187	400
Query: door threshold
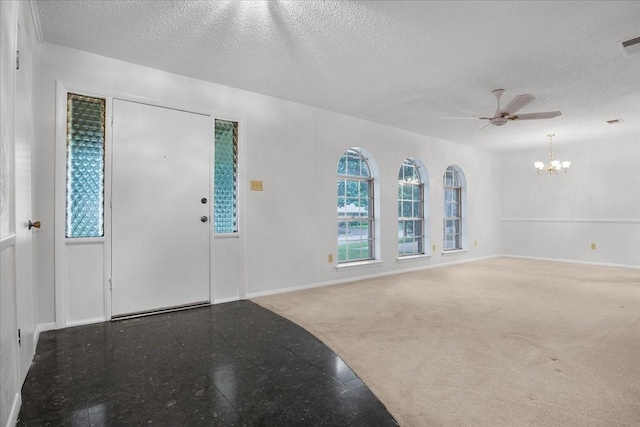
160	311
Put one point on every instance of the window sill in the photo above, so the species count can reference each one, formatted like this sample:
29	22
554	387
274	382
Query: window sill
413	258
454	252
358	264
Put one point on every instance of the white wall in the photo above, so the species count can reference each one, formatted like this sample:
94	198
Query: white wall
597	201
294	149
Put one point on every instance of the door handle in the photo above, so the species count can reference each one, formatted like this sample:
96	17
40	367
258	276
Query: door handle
204	218
34	224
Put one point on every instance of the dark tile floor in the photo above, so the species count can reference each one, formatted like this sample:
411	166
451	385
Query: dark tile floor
233	364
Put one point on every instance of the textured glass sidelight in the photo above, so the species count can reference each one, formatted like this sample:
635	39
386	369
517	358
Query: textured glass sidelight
225	219
85	166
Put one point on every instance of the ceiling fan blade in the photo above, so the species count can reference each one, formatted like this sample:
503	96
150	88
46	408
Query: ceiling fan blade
535	116
486	125
517	103
464	118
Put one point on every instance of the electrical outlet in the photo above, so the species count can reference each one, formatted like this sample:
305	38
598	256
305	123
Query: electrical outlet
475	243
593	246
434	248
256	185
330	258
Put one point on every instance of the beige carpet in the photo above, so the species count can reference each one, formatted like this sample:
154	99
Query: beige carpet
499	342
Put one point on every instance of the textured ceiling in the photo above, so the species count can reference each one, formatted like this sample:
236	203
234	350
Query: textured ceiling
405	64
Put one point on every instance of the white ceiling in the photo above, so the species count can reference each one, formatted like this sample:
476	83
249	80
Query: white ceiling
405	64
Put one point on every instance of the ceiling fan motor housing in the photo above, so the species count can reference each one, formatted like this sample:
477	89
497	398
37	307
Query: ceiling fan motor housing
499	121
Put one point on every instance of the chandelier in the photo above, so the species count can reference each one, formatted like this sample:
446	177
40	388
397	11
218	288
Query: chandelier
554	166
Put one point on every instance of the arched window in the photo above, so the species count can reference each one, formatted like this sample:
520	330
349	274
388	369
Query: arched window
454	209
355	208
411	210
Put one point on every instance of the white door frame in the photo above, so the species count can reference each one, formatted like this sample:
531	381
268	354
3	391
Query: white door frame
61	243
23	197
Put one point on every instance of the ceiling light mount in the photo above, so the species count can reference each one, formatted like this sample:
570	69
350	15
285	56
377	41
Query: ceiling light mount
554	166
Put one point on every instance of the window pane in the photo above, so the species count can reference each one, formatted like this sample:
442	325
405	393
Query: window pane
407	192
416	190
448	227
225	218
408	173
449	194
353	166
417	209
365	169
448	209
342	187
364	189
342	207
401	229
448	178
85	166
367	250
342	165
364	207
353	188
417	227
406	209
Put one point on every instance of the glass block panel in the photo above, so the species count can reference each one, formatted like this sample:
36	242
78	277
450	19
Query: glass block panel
225	218
85	166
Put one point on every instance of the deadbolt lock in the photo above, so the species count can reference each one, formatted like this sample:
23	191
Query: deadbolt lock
203	200
204	218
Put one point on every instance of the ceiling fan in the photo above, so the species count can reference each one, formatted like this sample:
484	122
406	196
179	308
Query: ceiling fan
503	115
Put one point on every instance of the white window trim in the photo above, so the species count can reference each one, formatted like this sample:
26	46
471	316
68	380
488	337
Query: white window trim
455	251
416	257
358	264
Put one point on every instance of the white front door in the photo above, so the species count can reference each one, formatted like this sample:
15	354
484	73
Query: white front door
160	207
24	251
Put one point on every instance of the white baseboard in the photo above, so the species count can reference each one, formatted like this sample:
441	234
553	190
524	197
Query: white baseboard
573	261
369	276
42	327
87	321
15	410
223	300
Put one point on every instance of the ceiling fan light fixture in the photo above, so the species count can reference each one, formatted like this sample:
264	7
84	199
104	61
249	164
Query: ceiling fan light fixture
499	121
